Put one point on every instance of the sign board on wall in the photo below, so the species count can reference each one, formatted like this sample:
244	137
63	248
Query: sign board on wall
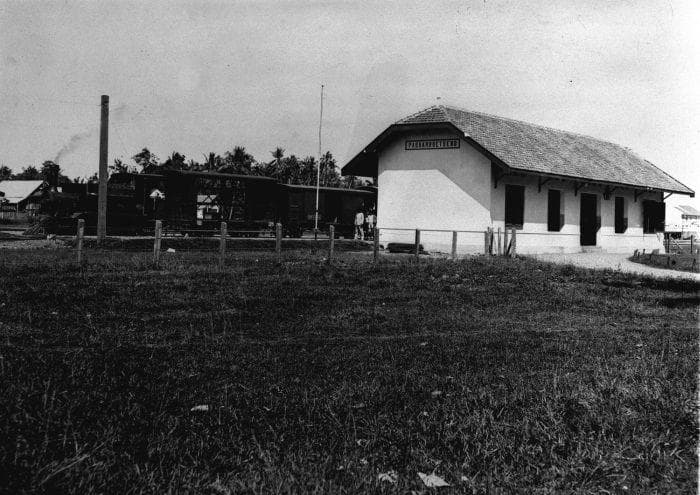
432	144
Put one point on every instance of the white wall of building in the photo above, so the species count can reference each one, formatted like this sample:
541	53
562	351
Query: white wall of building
676	221
453	189
535	238
437	189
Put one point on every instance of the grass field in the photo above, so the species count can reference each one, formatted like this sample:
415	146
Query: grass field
498	375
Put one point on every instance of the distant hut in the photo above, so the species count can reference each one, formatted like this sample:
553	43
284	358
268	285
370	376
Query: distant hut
21	196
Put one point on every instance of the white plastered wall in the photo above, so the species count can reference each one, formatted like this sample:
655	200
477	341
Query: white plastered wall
534	237
439	189
453	189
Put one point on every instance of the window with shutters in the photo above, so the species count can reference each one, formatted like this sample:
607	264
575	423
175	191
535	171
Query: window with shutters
515	206
620	215
555	217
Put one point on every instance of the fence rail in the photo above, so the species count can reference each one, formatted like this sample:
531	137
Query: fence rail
681	246
496	242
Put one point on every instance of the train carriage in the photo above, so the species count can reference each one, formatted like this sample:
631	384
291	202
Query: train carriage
336	206
201	200
196	202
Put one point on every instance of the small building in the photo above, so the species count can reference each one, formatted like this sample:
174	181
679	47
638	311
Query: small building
446	169
22	195
683	222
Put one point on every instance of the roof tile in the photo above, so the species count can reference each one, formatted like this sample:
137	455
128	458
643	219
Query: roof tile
535	148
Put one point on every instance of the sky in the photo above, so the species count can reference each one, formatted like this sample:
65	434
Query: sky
196	77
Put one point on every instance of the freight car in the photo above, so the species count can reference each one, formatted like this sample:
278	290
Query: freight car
196	202
336	206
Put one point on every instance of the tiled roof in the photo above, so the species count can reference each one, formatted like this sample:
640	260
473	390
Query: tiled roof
535	148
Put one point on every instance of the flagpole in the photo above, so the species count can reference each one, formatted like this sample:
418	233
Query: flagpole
318	172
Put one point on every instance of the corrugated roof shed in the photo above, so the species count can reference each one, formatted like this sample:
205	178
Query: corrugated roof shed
537	149
19	190
688	210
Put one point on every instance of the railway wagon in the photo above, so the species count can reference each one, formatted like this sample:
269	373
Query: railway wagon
134	201
336	206
201	200
196	203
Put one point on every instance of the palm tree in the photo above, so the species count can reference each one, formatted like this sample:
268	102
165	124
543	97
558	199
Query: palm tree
212	162
276	166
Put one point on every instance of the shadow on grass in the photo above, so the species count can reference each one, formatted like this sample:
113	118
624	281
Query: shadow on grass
680	302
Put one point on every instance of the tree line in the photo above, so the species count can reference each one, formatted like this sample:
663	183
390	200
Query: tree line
288	169
49	172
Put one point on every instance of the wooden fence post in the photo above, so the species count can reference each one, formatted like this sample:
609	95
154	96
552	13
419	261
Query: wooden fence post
498	245
454	245
486	241
79	239
156	242
513	244
222	243
278	242
331	241
506	251
417	242
376	244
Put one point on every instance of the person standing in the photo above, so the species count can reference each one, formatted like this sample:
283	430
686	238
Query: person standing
359	223
371	221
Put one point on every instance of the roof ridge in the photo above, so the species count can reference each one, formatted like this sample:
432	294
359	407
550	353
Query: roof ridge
561	131
573	133
424	110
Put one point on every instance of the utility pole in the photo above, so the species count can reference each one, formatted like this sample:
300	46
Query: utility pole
102	191
318	173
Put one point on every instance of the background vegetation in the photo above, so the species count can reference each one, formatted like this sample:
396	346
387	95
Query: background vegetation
288	169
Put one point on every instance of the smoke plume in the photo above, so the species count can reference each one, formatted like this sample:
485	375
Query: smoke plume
77	140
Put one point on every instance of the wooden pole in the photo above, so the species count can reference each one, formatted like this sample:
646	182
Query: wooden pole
692	250
454	245
417	243
79	239
222	243
513	244
505	243
103	175
156	242
278	242
376	244
331	241
486	241
498	245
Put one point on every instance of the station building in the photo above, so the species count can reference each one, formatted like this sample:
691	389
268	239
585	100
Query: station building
446	169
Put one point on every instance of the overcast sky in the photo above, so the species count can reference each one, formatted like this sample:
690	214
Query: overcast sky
196	77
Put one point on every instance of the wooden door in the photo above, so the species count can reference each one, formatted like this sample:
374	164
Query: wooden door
589	227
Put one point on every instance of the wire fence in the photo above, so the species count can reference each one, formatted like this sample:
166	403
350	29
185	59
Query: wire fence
163	248
217	247
681	246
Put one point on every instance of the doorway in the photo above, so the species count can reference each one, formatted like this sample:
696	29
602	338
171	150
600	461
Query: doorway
589	227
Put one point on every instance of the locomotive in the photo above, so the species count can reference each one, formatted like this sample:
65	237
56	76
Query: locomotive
194	203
